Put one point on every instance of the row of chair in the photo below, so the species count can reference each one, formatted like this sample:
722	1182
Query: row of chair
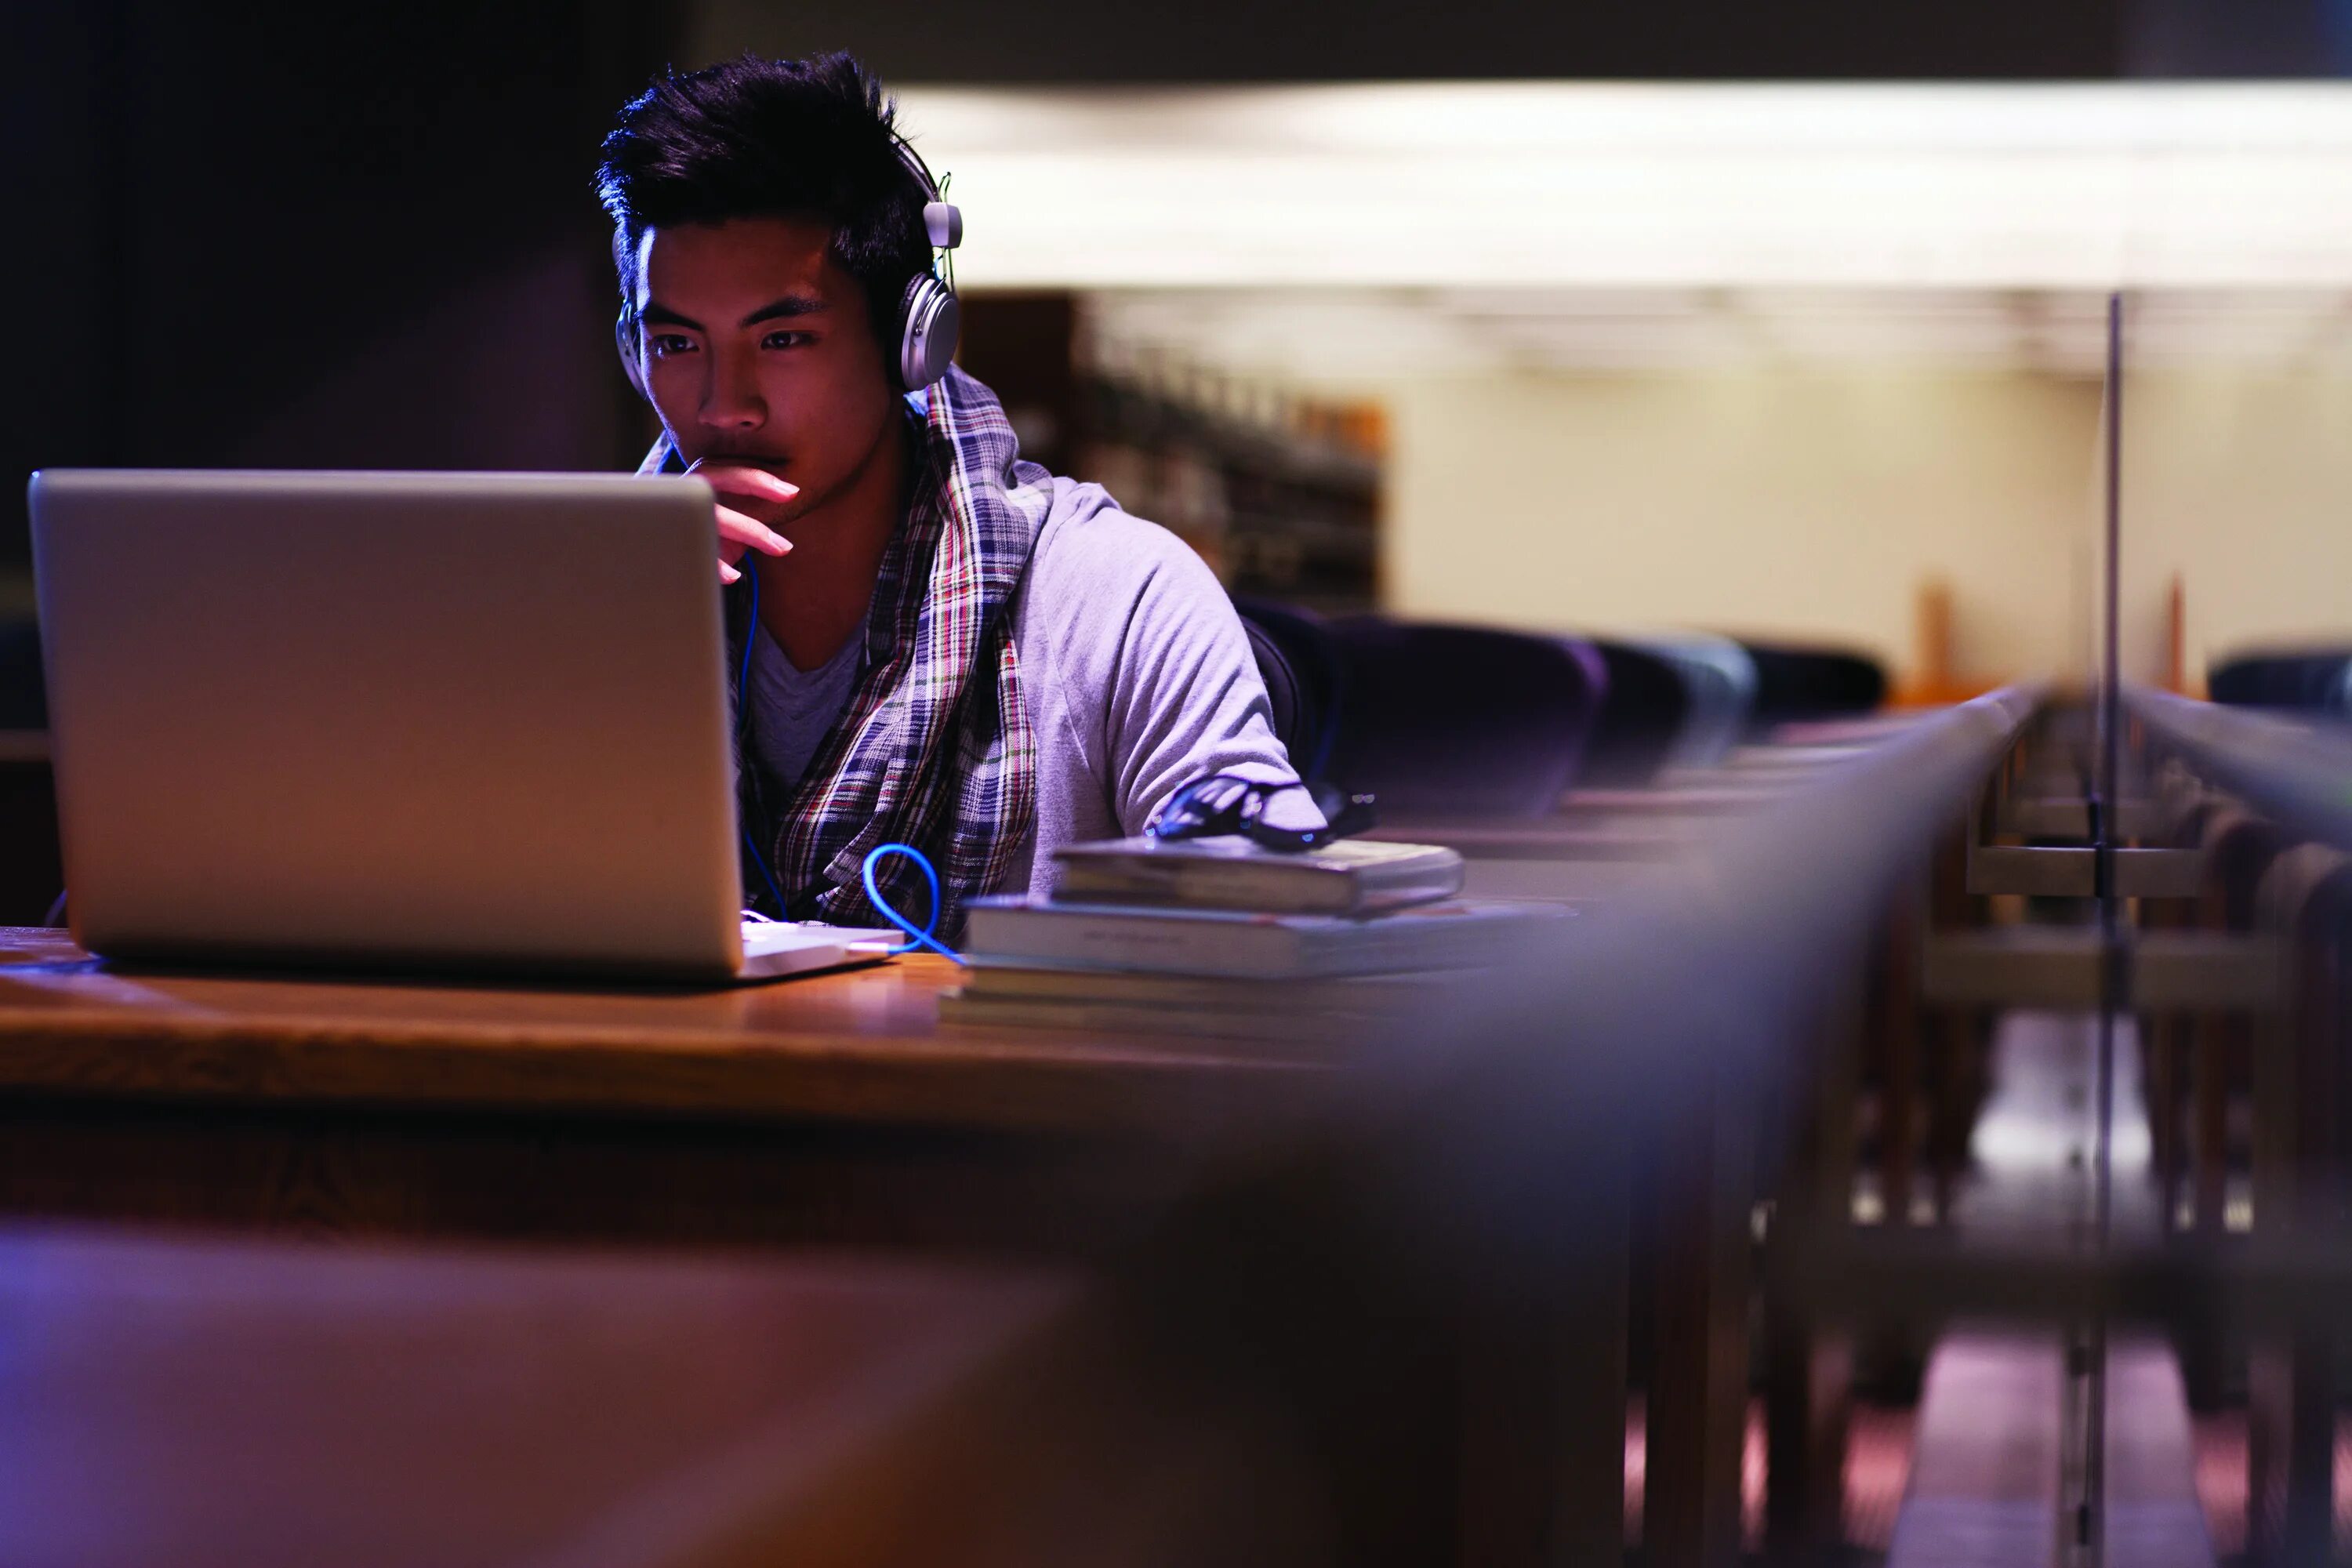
2251	1105
2309	680
1505	720
2238	921
1476	722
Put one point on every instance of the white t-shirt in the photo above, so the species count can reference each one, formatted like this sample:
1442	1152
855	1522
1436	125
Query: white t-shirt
792	709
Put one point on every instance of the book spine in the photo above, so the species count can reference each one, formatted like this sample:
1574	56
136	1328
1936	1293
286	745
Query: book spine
1217	888
1130	942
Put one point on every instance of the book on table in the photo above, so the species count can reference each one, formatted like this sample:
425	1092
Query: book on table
1456	934
1352	876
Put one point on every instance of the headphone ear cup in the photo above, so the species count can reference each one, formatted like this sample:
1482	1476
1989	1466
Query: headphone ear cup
928	321
624	338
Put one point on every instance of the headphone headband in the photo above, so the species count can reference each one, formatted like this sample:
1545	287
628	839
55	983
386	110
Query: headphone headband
942	222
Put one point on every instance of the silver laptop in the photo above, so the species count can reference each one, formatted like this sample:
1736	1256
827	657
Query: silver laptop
421	720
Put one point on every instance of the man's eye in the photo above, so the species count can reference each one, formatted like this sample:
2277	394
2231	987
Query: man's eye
785	340
665	344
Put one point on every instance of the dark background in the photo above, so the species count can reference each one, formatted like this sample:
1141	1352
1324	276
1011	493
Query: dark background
364	234
324	236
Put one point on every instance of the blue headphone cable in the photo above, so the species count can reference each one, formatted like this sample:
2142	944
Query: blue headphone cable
743	718
926	934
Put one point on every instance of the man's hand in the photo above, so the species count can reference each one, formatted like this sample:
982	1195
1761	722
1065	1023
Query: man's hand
743	491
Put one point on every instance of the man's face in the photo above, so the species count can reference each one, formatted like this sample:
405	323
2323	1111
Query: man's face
756	347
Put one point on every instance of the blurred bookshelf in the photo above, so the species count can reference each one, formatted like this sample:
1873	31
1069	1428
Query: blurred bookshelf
1279	491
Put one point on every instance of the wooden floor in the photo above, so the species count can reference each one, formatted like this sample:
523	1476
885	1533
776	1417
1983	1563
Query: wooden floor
1985	1484
1877	1467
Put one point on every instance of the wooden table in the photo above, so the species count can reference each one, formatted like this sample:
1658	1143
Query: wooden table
834	1112
831	1108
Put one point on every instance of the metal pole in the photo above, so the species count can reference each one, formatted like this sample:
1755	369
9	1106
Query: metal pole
2091	1522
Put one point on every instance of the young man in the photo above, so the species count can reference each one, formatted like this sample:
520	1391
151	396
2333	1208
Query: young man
941	645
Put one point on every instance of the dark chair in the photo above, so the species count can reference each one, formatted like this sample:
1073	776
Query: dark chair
2310	680
1718	682
1643	712
1799	684
1301	670
1460	721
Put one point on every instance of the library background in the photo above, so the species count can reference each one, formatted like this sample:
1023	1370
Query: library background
1802	552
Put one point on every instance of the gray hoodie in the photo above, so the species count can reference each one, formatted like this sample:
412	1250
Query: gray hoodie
1138	677
1137	673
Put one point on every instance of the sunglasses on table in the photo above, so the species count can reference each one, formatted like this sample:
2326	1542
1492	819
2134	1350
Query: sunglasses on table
1227	802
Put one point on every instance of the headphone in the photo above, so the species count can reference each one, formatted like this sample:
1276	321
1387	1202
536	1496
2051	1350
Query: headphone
930	318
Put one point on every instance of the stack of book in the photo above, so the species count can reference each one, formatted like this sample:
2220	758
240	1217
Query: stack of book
1219	937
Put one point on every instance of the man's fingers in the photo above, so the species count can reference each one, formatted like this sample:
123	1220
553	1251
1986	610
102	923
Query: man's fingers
736	528
738	531
742	480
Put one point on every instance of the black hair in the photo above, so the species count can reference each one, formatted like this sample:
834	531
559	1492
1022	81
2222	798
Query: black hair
761	138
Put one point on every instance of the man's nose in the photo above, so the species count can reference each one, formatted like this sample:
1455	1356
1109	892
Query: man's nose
733	400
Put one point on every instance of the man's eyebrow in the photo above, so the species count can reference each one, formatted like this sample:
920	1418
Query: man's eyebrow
785	309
